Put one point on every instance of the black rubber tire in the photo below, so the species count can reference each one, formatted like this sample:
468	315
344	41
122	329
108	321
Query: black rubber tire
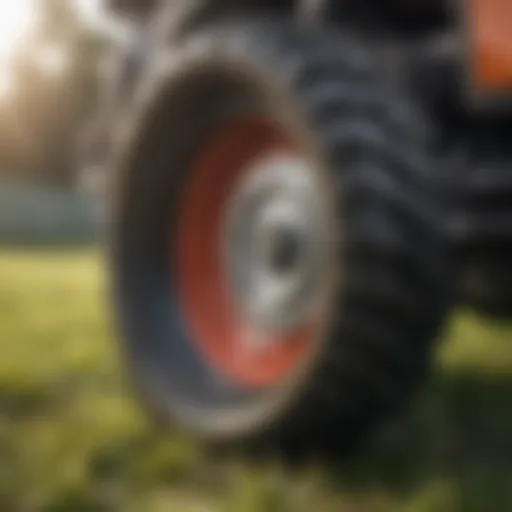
485	285
484	238
395	295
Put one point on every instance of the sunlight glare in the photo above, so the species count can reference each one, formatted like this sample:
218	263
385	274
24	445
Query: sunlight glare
5	84
16	18
52	60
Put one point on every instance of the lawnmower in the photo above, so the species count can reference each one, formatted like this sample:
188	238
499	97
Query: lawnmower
301	193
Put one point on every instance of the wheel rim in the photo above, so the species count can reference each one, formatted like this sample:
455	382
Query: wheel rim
254	314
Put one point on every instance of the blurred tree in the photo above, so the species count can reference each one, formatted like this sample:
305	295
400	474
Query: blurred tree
53	84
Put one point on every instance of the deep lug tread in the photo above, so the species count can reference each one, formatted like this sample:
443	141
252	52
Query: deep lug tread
366	373
482	232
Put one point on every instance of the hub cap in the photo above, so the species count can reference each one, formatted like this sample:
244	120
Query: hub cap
252	254
274	243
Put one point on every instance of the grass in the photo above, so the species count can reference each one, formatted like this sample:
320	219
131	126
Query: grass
72	439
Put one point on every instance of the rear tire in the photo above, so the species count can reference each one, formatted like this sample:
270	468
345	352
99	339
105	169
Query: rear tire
383	291
484	239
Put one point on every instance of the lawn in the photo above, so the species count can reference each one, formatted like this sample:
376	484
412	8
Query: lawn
72	439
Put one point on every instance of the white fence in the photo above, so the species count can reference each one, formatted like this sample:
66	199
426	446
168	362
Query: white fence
39	216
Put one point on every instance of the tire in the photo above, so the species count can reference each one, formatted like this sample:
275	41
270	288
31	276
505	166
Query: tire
367	330
485	284
484	238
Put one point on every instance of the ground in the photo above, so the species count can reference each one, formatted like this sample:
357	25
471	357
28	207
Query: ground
73	440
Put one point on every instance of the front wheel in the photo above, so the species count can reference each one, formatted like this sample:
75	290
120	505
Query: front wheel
278	271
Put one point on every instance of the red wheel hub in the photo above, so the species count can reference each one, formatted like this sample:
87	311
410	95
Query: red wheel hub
213	316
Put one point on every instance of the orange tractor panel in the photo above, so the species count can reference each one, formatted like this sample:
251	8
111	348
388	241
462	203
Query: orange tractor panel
490	34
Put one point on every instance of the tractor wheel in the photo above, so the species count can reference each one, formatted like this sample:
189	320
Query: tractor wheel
483	235
278	269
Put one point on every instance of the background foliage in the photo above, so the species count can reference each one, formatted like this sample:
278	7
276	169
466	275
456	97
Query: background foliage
53	87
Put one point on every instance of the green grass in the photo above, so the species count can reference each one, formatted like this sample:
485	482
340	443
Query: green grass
72	439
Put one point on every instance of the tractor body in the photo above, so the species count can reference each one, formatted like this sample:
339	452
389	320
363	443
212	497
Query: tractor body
303	191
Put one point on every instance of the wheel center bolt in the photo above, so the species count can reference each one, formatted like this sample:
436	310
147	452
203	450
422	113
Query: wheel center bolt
281	250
